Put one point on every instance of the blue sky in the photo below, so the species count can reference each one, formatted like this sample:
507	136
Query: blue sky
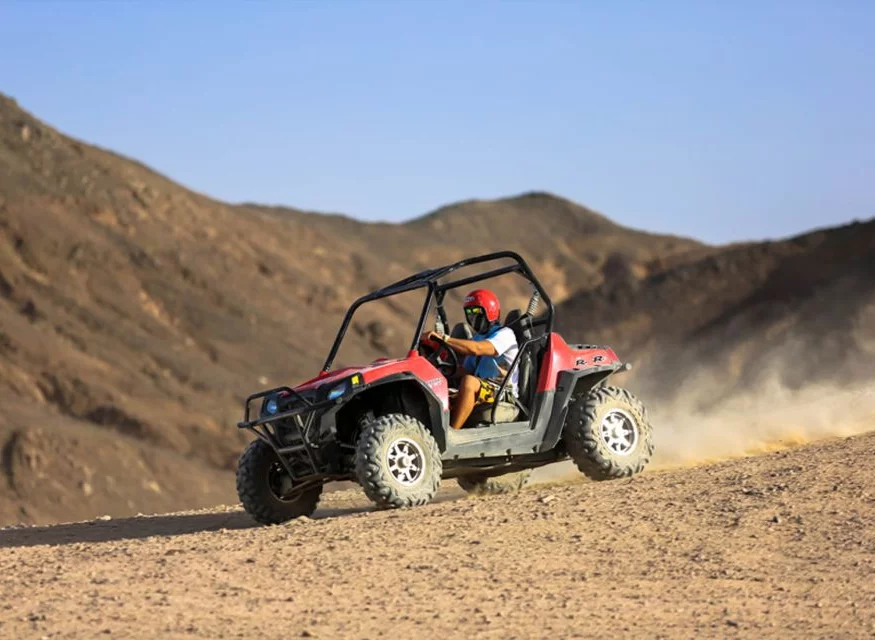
719	120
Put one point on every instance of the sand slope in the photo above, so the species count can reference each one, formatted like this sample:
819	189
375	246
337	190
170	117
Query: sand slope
770	546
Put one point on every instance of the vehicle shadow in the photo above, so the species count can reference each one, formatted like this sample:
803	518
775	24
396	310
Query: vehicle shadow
146	526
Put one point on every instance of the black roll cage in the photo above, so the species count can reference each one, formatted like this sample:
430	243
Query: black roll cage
429	279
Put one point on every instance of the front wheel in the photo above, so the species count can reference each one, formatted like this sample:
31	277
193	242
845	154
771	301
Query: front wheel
397	461
608	434
266	490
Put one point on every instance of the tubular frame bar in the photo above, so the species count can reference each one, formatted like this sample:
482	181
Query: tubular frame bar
428	278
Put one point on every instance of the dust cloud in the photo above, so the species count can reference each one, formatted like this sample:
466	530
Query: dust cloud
745	424
750	423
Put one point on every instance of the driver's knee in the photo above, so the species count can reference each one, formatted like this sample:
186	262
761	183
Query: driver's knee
469	385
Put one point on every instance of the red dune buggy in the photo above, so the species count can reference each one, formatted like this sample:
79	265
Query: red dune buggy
385	424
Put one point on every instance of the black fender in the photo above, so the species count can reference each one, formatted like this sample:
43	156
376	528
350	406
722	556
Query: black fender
571	383
437	420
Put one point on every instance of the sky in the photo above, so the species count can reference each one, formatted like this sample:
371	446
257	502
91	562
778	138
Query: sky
720	120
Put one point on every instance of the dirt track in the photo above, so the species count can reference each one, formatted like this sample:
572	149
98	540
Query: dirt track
769	546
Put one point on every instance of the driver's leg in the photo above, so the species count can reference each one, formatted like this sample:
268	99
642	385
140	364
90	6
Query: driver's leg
465	400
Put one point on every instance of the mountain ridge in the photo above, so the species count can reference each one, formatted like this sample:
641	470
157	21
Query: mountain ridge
136	314
12	111
138	307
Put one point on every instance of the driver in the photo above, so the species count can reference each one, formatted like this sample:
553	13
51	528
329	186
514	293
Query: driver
488	356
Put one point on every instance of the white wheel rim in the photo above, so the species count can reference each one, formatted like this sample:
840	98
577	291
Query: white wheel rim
619	432
406	461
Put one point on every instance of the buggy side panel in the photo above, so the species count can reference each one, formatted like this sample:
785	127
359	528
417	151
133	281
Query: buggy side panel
416	366
501	439
564	370
560	356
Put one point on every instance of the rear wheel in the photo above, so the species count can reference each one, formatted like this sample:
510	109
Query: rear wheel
398	462
266	490
608	434
481	485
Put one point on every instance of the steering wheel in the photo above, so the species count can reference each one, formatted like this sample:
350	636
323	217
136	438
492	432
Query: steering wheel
444	359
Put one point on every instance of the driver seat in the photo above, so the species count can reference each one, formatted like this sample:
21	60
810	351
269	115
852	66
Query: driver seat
520	324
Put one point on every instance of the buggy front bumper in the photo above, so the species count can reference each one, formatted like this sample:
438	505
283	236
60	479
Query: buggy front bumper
293	433
300	405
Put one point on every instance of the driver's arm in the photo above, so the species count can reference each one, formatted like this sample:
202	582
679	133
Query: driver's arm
468	347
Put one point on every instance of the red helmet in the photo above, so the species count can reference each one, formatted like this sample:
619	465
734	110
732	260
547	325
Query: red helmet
481	309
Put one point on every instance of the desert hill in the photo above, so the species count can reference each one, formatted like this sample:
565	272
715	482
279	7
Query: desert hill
136	314
789	314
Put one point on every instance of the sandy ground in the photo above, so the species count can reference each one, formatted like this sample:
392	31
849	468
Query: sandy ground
770	546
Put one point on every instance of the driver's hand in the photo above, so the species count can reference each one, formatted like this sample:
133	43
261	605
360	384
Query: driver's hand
431	336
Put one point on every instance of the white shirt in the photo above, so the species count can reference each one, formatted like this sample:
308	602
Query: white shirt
504	341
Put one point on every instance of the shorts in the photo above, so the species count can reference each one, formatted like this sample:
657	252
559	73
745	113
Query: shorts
488	392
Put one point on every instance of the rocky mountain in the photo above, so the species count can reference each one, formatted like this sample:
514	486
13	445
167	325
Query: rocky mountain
775	315
135	314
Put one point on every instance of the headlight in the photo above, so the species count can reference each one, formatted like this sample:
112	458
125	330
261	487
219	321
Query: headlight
271	406
340	390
